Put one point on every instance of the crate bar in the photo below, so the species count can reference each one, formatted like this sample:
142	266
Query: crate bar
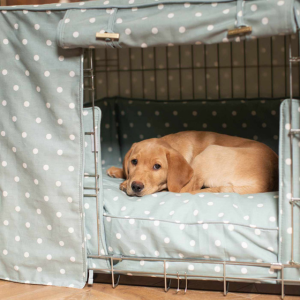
219	80
94	74
282	283
224	278
291	147
231	70
205	72
114	285
167	68
124	272
295	199
245	70
298	64
165	276
180	71
155	72
187	68
193	71
272	75
178	283
276	266
118	64
130	72
258	70
195	260
106	75
285	65
96	176
294	131
143	73
294	59
91	53
112	272
103	60
91	188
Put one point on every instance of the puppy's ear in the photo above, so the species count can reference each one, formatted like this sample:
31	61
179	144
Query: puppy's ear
126	161
179	171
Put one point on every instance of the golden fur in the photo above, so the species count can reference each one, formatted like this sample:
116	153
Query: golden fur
195	161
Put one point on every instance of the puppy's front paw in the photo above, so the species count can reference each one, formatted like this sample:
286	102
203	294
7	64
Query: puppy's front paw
115	172
123	186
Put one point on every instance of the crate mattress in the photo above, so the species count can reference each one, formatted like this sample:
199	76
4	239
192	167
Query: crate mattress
205	226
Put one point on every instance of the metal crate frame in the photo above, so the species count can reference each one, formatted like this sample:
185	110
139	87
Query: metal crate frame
90	75
252	69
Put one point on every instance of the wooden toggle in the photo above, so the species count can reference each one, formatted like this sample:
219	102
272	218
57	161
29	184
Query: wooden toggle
108	35
240	31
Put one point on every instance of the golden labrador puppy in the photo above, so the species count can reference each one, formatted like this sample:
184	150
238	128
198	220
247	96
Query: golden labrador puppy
194	162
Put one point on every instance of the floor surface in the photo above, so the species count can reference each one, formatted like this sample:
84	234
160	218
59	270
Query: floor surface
18	291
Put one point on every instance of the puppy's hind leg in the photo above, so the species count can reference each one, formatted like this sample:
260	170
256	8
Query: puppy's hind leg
115	172
195	184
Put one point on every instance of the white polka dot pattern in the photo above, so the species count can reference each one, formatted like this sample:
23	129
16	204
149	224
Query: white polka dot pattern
183	116
50	141
285	232
219	219
187	24
36	79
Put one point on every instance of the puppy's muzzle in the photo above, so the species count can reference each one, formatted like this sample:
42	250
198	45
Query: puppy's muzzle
137	186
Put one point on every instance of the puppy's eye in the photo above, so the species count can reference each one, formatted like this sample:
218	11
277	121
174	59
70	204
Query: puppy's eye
134	162
156	166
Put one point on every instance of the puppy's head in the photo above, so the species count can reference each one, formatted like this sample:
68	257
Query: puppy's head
151	166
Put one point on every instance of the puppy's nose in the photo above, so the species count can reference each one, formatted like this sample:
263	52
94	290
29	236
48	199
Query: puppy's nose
137	186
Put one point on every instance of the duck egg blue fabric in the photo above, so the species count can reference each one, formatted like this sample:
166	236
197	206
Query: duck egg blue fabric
286	162
94	239
163	23
205	226
169	22
41	153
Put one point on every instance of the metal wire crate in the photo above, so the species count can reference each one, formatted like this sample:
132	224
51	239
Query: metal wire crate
118	76
257	68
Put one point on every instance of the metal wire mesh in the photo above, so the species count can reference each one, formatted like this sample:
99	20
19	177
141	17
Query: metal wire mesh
241	70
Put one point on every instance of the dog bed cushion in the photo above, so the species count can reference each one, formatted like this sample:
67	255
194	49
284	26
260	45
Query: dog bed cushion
228	227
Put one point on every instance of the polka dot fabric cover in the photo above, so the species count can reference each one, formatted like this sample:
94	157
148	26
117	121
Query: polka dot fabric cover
286	161
126	121
156	23
207	226
41	153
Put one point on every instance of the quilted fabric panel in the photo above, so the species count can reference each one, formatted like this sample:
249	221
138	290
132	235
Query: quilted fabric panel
41	153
